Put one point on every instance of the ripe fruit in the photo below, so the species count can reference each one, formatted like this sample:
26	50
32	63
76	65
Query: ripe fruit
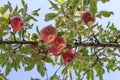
86	17
59	42
49	33
54	51
68	55
17	23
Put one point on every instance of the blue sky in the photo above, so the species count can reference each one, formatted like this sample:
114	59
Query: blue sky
113	5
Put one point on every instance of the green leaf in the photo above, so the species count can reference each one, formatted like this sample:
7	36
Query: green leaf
10	7
34	79
37	29
48	60
37	10
23	3
92	75
3	9
29	17
41	69
61	33
15	13
3	60
30	66
7	69
2	77
16	63
70	75
113	28
93	7
86	52
74	4
86	2
50	16
55	6
35	14
106	13
25	49
16	8
55	77
104	1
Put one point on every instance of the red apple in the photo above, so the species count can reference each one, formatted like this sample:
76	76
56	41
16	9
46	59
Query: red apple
86	17
59	42
17	23
49	33
54	51
68	55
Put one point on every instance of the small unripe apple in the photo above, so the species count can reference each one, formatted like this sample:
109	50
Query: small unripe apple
86	17
54	51
17	23
49	33
68	55
59	42
33	46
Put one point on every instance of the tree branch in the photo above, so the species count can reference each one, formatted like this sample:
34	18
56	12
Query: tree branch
110	45
18	42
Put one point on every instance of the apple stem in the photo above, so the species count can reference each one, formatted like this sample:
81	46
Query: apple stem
13	35
24	30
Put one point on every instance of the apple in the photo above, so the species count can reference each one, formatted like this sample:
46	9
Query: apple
59	42
86	17
49	33
54	51
68	55
17	23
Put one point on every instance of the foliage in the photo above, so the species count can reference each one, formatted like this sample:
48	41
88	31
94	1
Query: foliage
97	48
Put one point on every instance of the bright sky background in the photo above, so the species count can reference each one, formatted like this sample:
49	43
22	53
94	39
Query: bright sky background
113	5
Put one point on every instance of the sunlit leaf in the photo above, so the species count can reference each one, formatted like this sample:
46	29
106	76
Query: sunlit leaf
50	16
105	13
3	9
93	7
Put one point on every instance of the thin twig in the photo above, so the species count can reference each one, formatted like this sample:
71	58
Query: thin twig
58	69
23	33
46	73
13	35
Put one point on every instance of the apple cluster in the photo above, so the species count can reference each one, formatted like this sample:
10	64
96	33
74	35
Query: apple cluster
50	34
